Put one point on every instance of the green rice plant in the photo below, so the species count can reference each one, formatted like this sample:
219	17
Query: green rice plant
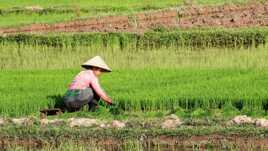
136	90
180	112
199	112
229	110
235	38
62	146
132	146
156	80
41	57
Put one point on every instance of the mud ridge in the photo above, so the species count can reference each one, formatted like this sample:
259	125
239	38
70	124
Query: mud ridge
230	16
164	142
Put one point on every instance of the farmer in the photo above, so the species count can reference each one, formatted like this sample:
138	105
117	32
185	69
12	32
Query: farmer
85	88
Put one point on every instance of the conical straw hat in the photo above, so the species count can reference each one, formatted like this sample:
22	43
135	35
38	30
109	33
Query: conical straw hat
97	61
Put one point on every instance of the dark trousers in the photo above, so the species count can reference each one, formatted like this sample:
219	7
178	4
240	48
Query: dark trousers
74	100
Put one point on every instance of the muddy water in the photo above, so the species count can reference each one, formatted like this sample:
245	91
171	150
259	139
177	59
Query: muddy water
162	143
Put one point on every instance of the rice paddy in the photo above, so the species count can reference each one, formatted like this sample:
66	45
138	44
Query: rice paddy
198	77
143	80
34	11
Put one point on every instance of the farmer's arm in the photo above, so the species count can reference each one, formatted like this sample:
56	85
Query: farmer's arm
97	88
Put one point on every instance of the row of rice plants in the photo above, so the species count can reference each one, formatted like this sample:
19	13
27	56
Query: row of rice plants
173	38
25	92
43	57
194	89
163	79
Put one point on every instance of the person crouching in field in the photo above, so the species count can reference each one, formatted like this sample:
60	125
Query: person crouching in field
85	88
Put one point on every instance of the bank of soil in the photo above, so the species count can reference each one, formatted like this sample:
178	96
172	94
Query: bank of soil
169	133
161	142
230	16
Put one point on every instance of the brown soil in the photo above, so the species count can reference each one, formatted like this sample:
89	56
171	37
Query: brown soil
162	142
249	15
218	141
6	142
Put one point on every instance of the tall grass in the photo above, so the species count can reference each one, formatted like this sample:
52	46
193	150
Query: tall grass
26	92
32	77
199	38
161	70
21	57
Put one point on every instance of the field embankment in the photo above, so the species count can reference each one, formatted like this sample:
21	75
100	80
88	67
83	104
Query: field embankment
186	138
229	15
20	12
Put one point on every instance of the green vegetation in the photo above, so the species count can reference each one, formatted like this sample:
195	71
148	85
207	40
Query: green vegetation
61	138
143	80
89	3
40	57
107	3
204	76
25	92
63	10
47	133
157	38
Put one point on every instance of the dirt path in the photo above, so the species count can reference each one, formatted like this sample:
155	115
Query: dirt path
250	15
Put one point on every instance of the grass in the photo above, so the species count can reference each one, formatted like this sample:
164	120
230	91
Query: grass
14	14
103	3
87	3
61	138
42	57
186	88
24	19
157	38
202	76
48	133
128	133
156	80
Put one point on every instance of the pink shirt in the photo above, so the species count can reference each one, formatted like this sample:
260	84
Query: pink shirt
87	79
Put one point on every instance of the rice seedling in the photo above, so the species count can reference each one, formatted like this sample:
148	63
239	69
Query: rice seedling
196	38
156	80
43	57
196	73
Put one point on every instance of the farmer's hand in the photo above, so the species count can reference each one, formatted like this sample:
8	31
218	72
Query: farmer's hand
109	102
107	99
